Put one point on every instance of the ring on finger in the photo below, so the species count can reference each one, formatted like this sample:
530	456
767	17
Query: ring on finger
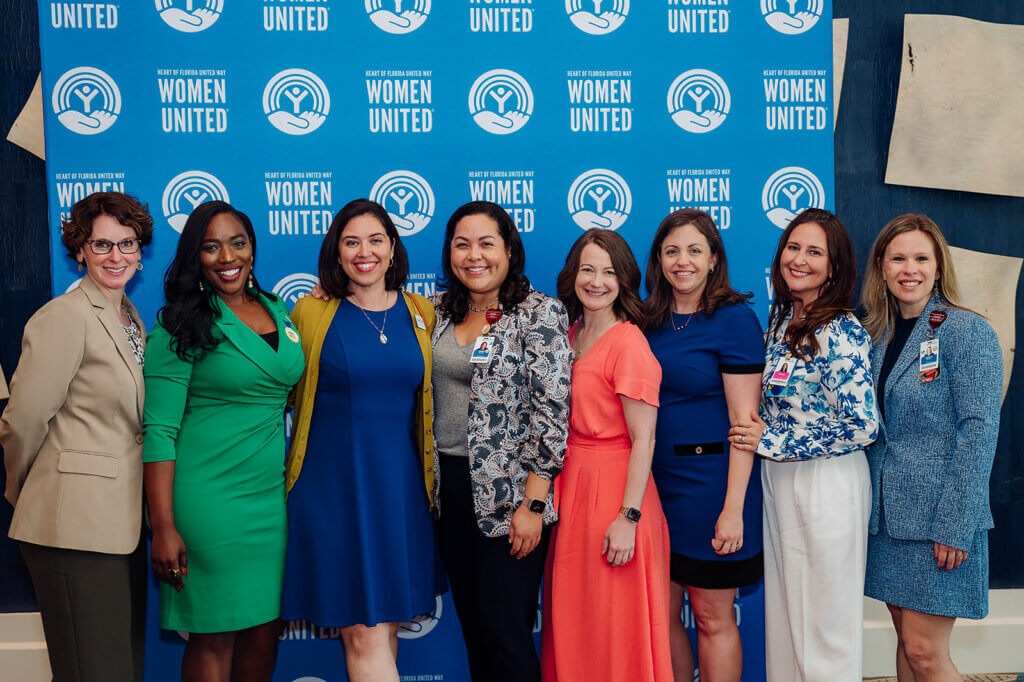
742	438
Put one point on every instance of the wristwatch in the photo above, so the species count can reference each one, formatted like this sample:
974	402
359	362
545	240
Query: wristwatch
537	506
630	513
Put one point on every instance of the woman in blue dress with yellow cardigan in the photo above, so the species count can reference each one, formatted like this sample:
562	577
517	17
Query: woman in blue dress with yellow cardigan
938	369
220	364
362	553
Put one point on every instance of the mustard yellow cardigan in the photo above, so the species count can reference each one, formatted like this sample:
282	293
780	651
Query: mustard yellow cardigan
312	318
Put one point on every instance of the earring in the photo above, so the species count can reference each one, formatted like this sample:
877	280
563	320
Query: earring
79	266
202	287
711	269
251	283
138	266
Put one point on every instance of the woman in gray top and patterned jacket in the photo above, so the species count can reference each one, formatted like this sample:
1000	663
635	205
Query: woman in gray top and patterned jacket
501	370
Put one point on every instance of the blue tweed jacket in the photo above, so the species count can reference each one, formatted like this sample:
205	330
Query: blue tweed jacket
931	464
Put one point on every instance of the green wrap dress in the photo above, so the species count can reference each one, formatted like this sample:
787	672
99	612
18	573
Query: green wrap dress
221	419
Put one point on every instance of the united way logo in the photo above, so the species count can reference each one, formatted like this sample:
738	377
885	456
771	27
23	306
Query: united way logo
597	17
398	16
190	16
600	198
698	101
86	100
186	191
294	287
789	191
407	198
792	16
421	626
296	101
501	101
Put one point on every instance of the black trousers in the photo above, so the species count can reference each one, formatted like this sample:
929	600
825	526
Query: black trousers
93	608
495	594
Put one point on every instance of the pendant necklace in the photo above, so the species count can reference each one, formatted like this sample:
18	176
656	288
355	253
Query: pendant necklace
380	330
685	324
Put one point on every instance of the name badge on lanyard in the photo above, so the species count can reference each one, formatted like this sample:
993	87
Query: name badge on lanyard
780	377
928	358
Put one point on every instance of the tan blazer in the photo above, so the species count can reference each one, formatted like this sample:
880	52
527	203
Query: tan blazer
72	430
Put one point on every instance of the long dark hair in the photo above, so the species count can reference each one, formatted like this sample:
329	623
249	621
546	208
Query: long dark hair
513	291
333	279
835	295
627	304
189	314
717	290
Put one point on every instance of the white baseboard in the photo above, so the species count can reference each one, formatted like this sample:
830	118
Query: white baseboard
22	648
994	644
991	645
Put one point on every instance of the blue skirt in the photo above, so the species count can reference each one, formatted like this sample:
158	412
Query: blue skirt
903	573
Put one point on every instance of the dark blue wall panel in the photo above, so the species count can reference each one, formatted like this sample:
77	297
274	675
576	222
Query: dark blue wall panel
980	222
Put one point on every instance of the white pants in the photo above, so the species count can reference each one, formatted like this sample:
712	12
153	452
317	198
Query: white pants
815	548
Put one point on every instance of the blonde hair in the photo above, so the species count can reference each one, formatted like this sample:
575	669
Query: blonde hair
879	304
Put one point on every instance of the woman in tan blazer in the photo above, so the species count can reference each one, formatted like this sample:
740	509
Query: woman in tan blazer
72	440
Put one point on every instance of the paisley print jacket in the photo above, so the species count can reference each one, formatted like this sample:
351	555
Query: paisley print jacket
518	411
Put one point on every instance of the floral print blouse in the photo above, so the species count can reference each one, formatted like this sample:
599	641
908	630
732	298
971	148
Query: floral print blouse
827	408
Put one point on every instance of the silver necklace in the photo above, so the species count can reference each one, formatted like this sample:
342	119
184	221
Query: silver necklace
383	338
686	324
483	310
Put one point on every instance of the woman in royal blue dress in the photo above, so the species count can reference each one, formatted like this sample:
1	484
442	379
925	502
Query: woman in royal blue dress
711	350
362	554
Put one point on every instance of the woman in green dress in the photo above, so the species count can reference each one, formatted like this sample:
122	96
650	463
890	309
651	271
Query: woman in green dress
221	362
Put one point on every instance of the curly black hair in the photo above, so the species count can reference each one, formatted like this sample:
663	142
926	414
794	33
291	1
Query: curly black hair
189	313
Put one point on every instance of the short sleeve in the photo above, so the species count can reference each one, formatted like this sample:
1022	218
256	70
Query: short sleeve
635	372
742	341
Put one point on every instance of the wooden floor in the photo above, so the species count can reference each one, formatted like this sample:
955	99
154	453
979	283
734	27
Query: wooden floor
990	677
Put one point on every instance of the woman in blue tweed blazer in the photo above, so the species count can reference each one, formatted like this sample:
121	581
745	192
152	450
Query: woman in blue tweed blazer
930	467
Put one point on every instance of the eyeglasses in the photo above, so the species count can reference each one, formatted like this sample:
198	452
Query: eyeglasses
101	247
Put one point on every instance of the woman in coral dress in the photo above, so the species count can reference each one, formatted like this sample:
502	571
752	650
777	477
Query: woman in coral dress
606	602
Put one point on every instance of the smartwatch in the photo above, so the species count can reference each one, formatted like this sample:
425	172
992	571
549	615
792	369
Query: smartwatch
537	506
630	513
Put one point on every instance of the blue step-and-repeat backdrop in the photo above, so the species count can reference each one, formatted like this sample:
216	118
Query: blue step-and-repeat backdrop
569	113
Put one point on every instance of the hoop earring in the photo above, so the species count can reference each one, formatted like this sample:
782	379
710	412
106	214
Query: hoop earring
711	269
138	266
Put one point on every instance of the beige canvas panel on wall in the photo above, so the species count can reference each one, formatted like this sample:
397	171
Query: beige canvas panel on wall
840	34
958	121
27	131
988	285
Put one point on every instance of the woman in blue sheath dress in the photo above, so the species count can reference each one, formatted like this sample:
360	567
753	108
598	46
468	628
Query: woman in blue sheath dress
711	349
362	554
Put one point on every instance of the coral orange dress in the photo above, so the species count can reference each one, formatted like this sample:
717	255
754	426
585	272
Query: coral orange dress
600	622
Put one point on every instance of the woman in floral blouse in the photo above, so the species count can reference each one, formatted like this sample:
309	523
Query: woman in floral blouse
817	416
